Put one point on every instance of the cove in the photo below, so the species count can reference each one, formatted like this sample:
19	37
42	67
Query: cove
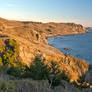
79	45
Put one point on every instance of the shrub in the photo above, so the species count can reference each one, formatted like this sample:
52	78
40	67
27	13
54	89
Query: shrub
3	69
9	54
37	70
14	71
17	70
12	45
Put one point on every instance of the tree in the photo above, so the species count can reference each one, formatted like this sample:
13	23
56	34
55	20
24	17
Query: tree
14	71
38	70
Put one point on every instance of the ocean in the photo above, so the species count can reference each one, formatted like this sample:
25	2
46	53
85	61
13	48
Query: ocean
79	45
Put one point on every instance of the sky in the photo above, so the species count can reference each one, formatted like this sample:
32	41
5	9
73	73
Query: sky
76	11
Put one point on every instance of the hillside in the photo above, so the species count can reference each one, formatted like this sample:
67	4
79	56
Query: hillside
31	37
88	27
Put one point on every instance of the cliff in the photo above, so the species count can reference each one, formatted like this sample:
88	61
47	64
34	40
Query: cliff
88	28
31	37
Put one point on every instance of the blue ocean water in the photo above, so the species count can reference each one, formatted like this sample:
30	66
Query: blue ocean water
79	45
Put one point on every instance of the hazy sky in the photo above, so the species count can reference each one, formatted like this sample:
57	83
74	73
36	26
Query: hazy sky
78	11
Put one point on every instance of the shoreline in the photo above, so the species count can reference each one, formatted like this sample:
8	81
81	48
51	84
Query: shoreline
30	46
50	36
68	35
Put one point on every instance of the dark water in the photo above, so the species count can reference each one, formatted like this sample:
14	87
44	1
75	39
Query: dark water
79	46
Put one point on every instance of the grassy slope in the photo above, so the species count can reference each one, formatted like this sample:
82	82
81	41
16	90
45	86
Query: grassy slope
26	33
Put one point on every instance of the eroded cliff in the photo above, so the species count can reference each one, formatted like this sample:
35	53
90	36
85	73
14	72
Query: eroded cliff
31	37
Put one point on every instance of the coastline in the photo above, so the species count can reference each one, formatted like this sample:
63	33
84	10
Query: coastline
67	35
32	41
50	36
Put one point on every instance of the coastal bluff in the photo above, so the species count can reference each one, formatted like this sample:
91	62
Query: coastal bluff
32	40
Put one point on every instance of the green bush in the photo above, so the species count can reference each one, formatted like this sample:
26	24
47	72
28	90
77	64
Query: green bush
17	71
9	53
37	70
14	71
3	69
12	45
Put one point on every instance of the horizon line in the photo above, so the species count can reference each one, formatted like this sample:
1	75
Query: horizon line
27	20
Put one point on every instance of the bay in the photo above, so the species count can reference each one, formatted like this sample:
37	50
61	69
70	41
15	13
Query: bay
79	45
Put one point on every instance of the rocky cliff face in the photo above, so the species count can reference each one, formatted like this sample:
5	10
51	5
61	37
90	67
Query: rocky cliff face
31	37
88	28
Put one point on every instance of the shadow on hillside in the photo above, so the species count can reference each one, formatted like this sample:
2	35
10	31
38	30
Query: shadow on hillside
3	36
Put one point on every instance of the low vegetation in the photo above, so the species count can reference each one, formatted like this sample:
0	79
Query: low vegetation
6	87
38	70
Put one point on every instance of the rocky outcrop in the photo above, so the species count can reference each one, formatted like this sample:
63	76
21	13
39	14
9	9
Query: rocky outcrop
88	28
31	37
